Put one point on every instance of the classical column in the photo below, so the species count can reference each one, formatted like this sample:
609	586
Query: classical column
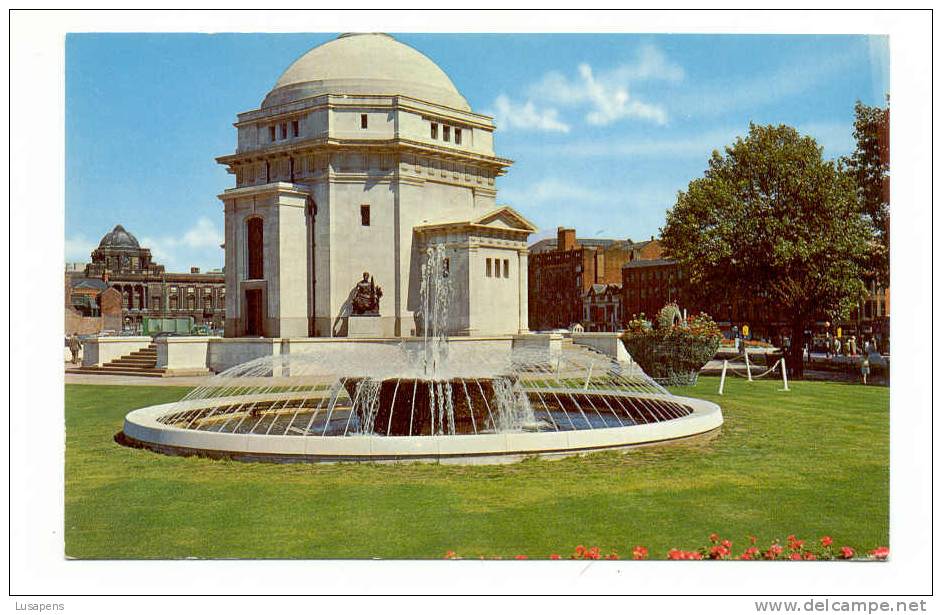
524	325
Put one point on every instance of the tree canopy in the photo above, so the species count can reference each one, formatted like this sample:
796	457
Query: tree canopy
870	166
772	219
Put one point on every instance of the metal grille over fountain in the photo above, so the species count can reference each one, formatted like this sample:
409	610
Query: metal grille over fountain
402	399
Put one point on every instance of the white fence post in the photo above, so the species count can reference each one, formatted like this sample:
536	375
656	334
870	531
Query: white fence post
748	367
723	376
784	373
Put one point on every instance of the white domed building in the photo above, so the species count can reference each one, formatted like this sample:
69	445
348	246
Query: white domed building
362	156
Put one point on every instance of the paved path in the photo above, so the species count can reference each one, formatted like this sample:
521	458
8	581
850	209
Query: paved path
176	381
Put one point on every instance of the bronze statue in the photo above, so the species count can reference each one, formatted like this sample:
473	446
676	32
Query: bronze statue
366	297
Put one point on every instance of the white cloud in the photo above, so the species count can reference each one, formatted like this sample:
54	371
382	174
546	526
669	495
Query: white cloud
509	114
197	246
78	249
606	95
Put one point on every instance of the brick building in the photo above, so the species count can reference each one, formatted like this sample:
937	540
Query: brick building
647	285
146	289
563	270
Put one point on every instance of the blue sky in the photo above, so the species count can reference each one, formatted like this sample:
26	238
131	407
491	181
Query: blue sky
604	129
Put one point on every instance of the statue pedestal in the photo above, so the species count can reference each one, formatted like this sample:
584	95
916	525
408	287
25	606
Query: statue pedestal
364	326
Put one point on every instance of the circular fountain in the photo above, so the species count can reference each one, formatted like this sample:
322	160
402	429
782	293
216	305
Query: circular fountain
421	399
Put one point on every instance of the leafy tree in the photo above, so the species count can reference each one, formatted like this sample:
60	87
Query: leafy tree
771	220
870	166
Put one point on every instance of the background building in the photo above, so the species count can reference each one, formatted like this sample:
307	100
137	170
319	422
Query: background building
564	270
364	155
602	308
145	289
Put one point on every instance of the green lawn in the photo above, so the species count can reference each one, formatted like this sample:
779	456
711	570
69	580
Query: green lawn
809	462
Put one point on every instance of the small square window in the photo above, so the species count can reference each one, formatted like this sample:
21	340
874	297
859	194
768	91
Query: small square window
271	132
295	128
434	130
457	136
487	270
506	268
363	120
364	215
446	133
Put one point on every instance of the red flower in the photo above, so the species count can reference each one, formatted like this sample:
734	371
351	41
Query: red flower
795	556
640	552
714	537
612	555
881	552
847	552
728	544
580	552
675	554
810	556
826	541
593	553
521	557
451	555
554	556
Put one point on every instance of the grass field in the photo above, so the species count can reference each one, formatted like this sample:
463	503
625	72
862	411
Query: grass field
810	462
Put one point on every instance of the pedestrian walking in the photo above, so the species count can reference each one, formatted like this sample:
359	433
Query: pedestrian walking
865	368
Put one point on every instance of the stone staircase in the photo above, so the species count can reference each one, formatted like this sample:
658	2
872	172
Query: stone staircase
139	363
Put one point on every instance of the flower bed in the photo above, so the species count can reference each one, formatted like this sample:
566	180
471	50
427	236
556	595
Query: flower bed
718	548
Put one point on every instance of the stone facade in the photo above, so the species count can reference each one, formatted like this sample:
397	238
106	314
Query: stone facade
362	156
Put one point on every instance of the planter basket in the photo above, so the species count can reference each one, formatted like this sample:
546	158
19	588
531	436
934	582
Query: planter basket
672	359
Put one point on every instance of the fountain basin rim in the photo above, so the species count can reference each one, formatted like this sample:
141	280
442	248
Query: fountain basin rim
142	428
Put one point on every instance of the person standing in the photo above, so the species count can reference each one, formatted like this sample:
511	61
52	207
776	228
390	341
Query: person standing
75	344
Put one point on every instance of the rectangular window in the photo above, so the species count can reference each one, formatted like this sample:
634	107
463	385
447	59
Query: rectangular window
271	132
284	130
363	120
434	130
364	215
457	136
506	268
295	128
488	268
496	267
446	133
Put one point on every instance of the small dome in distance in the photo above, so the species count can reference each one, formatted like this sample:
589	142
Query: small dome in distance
119	238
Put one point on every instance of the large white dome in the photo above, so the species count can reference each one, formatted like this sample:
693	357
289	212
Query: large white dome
365	64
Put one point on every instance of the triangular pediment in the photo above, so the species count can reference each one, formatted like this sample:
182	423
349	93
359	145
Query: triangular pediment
505	217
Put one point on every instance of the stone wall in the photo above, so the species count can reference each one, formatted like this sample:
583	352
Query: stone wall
82	325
